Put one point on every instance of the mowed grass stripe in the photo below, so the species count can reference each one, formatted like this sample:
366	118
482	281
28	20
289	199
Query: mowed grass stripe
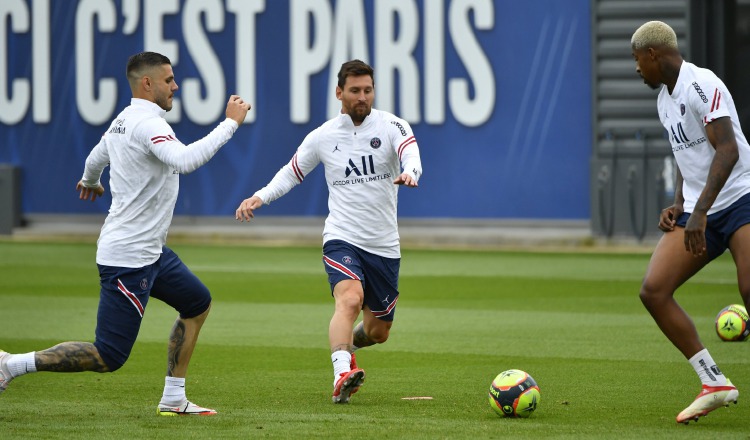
275	260
511	332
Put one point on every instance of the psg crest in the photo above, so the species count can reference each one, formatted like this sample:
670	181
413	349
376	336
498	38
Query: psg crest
375	143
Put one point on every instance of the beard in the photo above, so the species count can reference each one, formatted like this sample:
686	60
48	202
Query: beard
359	112
163	102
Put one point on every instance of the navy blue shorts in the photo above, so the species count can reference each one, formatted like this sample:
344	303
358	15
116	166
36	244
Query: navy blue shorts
379	275
722	224
125	292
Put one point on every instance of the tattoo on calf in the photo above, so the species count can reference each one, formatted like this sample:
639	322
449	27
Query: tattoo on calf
176	341
360	337
341	347
70	357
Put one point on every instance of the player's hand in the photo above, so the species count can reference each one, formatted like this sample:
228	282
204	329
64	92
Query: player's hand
237	109
245	211
695	233
405	179
668	217
89	193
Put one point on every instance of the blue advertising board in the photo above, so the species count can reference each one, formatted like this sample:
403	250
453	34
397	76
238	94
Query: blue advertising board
497	92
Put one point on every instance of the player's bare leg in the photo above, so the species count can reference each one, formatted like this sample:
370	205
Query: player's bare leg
371	330
370	325
67	357
70	357
348	296
670	266
182	340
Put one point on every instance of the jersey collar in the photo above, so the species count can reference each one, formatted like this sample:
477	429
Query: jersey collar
680	77
347	120
148	105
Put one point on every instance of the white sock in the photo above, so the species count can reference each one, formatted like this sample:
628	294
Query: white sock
707	370
20	364
174	391
342	360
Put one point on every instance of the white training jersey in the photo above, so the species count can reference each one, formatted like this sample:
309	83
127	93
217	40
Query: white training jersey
145	160
698	98
361	163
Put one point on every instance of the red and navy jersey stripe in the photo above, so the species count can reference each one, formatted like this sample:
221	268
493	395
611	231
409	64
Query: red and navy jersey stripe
296	169
716	100
131	297
386	311
341	268
160	139
405	144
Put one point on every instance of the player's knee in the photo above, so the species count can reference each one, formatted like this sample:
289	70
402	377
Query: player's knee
378	334
198	308
350	300
646	295
199	312
652	295
113	357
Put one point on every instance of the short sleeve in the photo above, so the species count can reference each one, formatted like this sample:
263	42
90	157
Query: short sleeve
708	100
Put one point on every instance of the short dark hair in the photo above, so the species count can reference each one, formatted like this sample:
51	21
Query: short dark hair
139	61
355	68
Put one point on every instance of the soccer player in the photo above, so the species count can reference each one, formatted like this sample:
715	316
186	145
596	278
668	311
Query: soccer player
711	209
145	161
363	151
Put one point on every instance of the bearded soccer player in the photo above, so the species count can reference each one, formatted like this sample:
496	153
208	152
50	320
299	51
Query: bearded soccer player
364	151
145	160
711	209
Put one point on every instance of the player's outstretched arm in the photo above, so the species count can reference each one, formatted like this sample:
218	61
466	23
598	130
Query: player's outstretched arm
186	160
245	211
89	193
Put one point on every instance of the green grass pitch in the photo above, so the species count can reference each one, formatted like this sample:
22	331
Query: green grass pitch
572	320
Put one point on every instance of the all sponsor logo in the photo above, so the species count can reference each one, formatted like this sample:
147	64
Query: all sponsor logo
354	169
679	135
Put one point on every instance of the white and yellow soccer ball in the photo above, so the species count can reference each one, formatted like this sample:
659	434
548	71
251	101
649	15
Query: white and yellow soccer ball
514	393
733	323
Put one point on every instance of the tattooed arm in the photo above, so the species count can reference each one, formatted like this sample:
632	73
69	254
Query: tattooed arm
721	135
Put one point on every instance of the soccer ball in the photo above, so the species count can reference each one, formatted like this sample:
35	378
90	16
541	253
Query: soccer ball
733	323
514	393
